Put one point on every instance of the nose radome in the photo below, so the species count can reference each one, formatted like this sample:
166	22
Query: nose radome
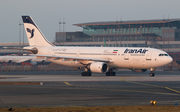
169	60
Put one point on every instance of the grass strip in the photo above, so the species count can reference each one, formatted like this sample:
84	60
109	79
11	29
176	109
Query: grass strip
96	109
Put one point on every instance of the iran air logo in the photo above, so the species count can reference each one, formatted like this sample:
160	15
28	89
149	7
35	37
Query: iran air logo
142	51
31	32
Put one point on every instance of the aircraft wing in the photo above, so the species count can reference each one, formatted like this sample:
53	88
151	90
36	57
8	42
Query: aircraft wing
74	58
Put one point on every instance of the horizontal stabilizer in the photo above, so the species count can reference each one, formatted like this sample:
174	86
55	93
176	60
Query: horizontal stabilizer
32	50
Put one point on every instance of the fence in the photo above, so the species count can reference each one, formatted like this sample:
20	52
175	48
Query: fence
56	67
4	68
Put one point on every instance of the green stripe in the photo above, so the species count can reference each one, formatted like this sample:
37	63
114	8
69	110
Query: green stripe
115	50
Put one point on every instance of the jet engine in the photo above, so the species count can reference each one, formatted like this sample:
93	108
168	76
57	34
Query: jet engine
99	67
33	62
139	70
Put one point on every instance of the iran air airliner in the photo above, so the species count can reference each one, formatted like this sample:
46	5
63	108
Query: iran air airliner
94	59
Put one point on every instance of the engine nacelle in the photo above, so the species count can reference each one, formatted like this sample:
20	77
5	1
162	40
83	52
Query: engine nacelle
99	67
139	70
33	62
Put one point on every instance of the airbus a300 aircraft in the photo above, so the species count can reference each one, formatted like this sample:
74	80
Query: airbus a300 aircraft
94	59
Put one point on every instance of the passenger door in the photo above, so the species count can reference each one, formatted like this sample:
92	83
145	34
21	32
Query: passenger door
148	56
126	56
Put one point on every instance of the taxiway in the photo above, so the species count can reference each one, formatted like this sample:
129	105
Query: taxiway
68	88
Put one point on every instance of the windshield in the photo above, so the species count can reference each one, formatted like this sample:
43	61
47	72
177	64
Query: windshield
163	55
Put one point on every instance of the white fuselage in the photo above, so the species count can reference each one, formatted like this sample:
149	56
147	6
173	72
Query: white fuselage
122	57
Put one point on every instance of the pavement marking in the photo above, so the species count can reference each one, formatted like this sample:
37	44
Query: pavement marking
151	85
122	79
172	90
144	84
67	83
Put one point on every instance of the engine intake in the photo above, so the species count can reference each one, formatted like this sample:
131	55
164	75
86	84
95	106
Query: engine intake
99	67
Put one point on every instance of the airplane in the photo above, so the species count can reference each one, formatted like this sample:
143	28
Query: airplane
19	59
94	59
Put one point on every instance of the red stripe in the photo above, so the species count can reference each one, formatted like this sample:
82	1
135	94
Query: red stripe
114	52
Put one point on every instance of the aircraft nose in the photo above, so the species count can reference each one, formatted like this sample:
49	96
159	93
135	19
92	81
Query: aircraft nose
169	59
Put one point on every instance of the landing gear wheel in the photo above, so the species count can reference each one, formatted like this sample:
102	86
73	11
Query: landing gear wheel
86	74
152	74
82	74
110	73
107	74
113	73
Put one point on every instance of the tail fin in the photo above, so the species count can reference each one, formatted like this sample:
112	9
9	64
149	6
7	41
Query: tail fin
34	35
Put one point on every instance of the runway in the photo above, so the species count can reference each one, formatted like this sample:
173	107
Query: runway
68	88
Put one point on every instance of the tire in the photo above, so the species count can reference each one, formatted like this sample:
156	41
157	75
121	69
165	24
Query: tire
86	74
114	73
110	73
152	74
107	73
82	74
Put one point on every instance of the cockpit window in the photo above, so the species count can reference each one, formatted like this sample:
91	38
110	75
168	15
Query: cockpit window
163	54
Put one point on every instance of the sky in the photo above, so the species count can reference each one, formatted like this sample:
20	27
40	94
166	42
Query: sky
48	13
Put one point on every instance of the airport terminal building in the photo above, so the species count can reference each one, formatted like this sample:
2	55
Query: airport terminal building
156	30
135	33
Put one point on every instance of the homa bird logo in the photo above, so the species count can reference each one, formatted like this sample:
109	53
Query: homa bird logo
31	32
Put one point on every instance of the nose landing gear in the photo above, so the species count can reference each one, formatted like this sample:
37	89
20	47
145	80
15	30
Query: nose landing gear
152	74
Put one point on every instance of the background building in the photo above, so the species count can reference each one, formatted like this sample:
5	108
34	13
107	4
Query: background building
154	30
162	34
71	36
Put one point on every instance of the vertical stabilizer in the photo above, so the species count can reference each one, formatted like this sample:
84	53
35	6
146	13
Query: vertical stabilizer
34	35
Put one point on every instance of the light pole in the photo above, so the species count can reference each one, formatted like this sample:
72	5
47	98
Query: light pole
20	36
60	25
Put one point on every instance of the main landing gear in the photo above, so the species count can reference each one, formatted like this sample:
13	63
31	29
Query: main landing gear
86	73
110	73
152	74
